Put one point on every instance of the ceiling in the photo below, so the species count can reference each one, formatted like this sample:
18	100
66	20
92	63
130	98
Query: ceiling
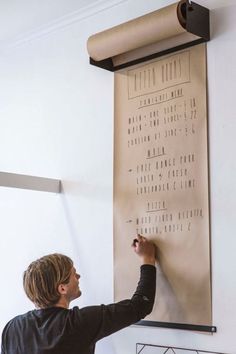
18	17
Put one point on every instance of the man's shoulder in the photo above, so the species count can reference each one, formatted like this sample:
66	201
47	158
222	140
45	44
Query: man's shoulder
40	314
15	321
21	317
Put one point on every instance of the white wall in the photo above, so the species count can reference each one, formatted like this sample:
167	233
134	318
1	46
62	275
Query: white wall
56	119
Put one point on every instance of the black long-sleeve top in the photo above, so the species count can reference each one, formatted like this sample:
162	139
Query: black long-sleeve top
57	330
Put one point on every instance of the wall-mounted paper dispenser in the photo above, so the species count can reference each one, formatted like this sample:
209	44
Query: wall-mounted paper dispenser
171	28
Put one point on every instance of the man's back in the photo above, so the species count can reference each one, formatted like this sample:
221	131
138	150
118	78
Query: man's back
53	330
60	330
57	330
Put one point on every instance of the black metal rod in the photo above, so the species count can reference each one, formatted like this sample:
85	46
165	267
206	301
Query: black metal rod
106	64
184	326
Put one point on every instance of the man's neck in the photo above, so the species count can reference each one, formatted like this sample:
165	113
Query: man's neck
63	303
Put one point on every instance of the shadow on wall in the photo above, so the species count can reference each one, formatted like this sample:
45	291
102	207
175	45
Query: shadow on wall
80	191
69	220
87	191
84	207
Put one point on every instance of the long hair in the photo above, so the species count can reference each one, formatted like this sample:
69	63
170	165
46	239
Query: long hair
43	276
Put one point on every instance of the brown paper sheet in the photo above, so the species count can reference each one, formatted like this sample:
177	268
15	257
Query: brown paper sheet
161	182
146	30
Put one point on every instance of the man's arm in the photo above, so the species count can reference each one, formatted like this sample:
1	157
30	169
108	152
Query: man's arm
104	320
146	288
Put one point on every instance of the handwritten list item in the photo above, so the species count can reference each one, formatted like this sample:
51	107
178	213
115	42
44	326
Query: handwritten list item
161	182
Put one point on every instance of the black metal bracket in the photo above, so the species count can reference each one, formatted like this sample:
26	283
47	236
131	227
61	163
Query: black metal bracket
197	23
108	65
183	326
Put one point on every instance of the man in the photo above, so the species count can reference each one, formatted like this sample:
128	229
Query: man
51	283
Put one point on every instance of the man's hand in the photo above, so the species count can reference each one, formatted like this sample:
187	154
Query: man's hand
145	249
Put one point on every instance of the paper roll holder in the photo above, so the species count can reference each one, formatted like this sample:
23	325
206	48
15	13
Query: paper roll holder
197	23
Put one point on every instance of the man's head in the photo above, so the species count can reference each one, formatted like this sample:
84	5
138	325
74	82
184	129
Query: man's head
50	278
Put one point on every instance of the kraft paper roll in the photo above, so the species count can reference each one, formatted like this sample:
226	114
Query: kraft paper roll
142	31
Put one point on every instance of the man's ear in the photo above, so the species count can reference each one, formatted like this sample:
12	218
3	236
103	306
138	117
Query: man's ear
62	289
